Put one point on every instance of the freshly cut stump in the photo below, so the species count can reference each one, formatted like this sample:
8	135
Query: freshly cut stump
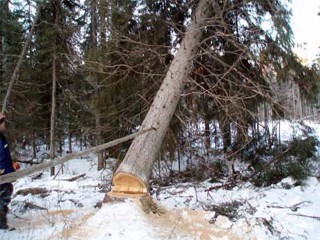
127	185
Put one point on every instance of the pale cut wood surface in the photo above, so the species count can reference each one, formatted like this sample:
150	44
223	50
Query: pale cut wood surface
128	185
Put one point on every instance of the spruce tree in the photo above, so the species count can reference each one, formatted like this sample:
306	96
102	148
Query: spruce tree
234	64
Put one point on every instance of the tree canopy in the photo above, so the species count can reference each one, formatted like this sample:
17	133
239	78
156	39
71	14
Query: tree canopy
112	55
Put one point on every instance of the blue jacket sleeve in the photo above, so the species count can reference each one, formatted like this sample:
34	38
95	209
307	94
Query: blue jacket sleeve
5	157
2	157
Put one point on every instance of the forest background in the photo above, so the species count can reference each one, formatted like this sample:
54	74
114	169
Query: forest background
91	69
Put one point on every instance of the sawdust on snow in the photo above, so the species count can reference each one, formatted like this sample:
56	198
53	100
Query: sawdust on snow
171	224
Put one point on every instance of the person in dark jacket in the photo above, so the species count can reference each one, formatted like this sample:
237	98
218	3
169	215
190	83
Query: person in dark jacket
6	167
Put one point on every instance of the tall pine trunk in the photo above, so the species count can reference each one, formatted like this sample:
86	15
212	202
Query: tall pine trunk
53	98
53	110
102	15
4	45
97	105
132	176
34	144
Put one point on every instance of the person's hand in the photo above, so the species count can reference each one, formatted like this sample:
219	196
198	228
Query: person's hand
16	166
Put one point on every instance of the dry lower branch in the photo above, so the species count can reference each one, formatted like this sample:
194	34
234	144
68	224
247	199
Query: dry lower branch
43	166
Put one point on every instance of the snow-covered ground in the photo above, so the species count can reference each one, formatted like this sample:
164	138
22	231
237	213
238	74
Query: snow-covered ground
66	209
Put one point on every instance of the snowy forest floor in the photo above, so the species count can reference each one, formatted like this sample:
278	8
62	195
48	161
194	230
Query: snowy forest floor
63	209
70	206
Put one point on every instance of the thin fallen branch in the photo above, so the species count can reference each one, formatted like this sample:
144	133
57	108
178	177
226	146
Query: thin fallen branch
293	208
74	178
43	192
37	176
43	166
30	205
303	215
226	185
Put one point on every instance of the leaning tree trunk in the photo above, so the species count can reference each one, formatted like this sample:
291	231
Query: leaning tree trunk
19	63
131	177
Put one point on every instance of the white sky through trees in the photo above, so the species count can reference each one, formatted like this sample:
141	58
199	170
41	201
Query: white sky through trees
305	22
305	25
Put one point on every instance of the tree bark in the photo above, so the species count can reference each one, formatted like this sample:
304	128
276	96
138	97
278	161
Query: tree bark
53	95
53	110
10	177
69	141
18	66
132	176
97	103
101	162
4	45
34	146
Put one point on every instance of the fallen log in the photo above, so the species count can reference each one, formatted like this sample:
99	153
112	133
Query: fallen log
43	166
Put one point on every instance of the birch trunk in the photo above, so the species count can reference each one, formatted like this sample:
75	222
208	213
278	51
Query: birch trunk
132	176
